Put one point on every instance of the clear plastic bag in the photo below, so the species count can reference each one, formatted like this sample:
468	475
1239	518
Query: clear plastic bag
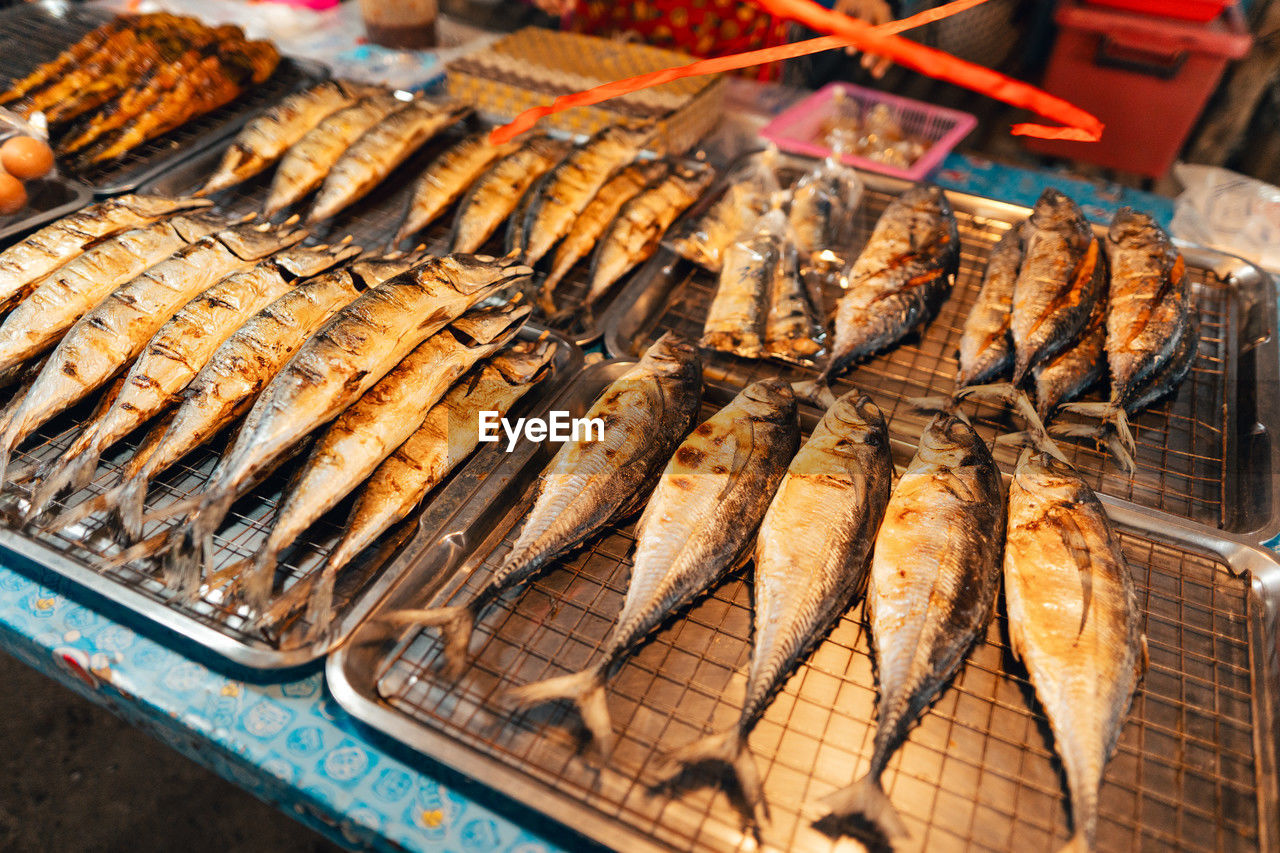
751	187
1228	211
823	205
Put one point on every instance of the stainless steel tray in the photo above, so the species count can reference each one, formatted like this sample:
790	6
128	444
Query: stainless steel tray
34	33
1195	768
49	198
213	623
1207	454
372	221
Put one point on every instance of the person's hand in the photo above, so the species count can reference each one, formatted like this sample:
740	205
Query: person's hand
874	12
556	7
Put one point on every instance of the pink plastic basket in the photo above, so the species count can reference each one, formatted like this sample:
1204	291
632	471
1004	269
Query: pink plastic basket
797	129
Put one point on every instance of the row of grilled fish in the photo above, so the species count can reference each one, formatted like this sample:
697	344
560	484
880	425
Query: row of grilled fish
1065	308
938	540
135	78
205	321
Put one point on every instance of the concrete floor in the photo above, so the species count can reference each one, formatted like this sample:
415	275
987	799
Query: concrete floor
75	778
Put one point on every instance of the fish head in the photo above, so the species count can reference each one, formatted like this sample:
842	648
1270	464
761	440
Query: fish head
522	362
254	240
949	441
1055	210
1042	473
855	417
673	353
1132	229
472	273
306	261
768	400
489	324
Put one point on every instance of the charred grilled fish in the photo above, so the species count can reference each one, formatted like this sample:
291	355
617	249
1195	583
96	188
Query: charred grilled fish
647	412
823	203
790	331
496	193
986	351
1071	372
750	191
446	179
811	561
698	525
900	279
1062	275
377	153
736	319
1073	621
934	577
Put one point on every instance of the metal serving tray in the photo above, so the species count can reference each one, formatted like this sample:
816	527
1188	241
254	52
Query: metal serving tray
84	554
1206	454
48	199
372	222
1195	768
34	33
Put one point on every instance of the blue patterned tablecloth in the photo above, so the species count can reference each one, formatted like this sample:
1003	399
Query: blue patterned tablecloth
288	742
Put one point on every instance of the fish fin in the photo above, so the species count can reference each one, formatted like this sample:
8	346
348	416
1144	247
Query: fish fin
183	561
585	690
814	391
1089	410
152	546
867	800
456	624
1076	430
1121	453
129	506
1077	844
931	404
727	748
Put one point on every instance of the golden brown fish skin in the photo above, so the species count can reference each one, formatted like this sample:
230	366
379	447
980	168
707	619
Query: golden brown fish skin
1073	621
595	218
447	179
735	321
377	153
265	139
305	165
646	412
811	560
635	233
24	264
498	191
238	370
934	578
572	184
373	426
1063	272
177	353
699	524
355	348
1073	371
62	298
986	352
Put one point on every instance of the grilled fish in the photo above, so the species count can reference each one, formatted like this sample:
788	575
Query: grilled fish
496	193
647	412
446	179
239	368
934	577
634	235
1073	621
265	140
698	525
355	348
1062	275
750	191
811	561
305	165
72	57
900	279
823	203
179	350
572	184
736	319
790	331
377	153
447	436
63	297
23	265
111	335
365	434
1072	371
597	216
986	351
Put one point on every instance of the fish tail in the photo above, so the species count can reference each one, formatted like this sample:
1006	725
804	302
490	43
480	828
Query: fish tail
320	613
1114	419
191	544
815	391
867	800
126	514
70	475
83	510
456	624
585	690
1077	844
260	578
728	748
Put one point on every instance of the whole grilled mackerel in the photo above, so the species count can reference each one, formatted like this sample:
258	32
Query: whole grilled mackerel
447	178
823	203
24	264
750	191
791	332
986	350
572	184
646	412
900	279
107	338
934	577
1067	375
811	561
1063	273
497	192
698	524
735	322
1073	621
345	358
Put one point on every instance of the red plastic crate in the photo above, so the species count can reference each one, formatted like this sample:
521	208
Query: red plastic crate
1186	10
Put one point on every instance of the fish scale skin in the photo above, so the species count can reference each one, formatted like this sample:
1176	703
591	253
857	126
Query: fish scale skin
1071	372
811	556
447	178
1084	671
934	574
986	351
495	194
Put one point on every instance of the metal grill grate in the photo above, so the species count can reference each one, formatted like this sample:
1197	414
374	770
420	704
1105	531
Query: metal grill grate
1184	443
979	772
38	32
